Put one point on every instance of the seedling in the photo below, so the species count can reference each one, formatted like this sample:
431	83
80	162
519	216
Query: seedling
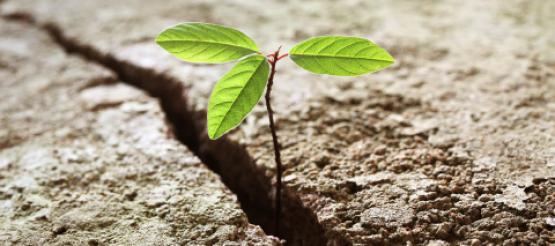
240	89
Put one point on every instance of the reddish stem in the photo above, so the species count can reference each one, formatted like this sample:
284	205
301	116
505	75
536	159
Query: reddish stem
282	56
277	155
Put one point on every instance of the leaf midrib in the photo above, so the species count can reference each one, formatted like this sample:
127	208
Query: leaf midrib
205	42
239	95
345	57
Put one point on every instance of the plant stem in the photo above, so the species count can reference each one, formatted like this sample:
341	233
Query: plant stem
277	153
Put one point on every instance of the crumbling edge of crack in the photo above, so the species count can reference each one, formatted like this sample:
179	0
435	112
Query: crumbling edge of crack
300	225
228	159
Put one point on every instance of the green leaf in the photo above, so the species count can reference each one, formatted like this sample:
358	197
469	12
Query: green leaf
337	55
237	92
205	43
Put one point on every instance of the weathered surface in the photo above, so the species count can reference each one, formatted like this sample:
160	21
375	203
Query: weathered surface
454	144
85	160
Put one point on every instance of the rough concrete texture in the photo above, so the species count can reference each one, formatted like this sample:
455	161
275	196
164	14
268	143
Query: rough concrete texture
454	144
85	160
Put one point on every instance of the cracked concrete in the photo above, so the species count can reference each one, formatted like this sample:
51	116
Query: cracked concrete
454	144
86	159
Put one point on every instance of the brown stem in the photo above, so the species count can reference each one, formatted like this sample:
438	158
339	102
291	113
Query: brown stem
277	153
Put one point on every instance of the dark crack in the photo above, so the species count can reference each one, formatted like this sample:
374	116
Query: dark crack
225	157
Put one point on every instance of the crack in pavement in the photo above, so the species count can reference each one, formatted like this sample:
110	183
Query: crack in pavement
235	166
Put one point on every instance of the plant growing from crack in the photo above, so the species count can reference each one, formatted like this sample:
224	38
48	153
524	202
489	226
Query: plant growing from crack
240	89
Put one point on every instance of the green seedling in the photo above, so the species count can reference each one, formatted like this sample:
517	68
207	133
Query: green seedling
240	89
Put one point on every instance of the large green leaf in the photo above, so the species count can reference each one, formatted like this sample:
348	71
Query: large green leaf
205	43
236	94
337	55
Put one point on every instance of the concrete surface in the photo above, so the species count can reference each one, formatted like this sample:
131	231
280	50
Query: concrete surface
454	144
87	160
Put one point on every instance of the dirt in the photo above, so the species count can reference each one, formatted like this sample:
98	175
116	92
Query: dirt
453	145
87	160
